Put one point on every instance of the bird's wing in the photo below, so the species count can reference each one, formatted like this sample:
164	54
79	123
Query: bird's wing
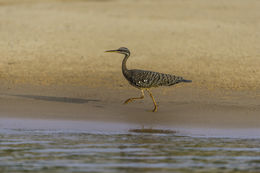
147	79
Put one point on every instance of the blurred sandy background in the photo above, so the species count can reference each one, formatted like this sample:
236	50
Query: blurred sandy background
57	48
214	43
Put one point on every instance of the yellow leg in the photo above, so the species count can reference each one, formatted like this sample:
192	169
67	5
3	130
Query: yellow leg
155	106
131	99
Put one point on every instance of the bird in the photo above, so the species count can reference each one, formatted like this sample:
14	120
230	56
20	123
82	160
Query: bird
144	80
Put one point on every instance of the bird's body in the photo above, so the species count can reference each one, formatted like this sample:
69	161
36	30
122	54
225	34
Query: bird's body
149	79
144	80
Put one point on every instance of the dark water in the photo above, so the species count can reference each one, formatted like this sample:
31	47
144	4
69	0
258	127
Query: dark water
34	151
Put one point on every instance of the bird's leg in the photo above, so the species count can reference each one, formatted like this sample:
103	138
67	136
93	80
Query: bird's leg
131	99
155	105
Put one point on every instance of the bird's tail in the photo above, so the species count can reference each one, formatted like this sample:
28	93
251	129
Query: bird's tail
184	80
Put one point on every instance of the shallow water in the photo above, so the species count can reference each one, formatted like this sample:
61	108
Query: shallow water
43	150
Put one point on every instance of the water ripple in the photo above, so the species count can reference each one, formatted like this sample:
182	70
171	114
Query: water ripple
60	151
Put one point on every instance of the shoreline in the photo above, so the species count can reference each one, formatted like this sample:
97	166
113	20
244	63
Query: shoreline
99	127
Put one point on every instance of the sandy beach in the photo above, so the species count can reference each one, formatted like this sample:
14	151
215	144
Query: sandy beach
61	95
53	65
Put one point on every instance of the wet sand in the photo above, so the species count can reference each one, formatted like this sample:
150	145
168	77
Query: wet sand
53	65
194	110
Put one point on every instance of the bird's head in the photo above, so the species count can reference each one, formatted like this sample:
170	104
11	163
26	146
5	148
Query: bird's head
122	50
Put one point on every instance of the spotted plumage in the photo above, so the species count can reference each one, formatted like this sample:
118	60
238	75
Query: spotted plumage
144	80
148	79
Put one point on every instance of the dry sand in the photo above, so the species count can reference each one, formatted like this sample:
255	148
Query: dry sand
53	65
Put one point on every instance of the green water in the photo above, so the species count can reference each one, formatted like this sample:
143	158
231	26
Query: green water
34	151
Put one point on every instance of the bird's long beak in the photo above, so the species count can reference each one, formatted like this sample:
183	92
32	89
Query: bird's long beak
111	51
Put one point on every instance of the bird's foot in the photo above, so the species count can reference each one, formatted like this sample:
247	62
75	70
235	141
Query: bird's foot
127	101
155	109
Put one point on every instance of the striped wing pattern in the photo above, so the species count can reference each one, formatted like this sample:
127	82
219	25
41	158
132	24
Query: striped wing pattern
147	79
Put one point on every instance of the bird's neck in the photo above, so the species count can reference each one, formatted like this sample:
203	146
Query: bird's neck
124	68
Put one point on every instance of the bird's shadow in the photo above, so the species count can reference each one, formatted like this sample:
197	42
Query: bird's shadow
56	99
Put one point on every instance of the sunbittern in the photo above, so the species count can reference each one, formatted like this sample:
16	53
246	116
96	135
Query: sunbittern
144	80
